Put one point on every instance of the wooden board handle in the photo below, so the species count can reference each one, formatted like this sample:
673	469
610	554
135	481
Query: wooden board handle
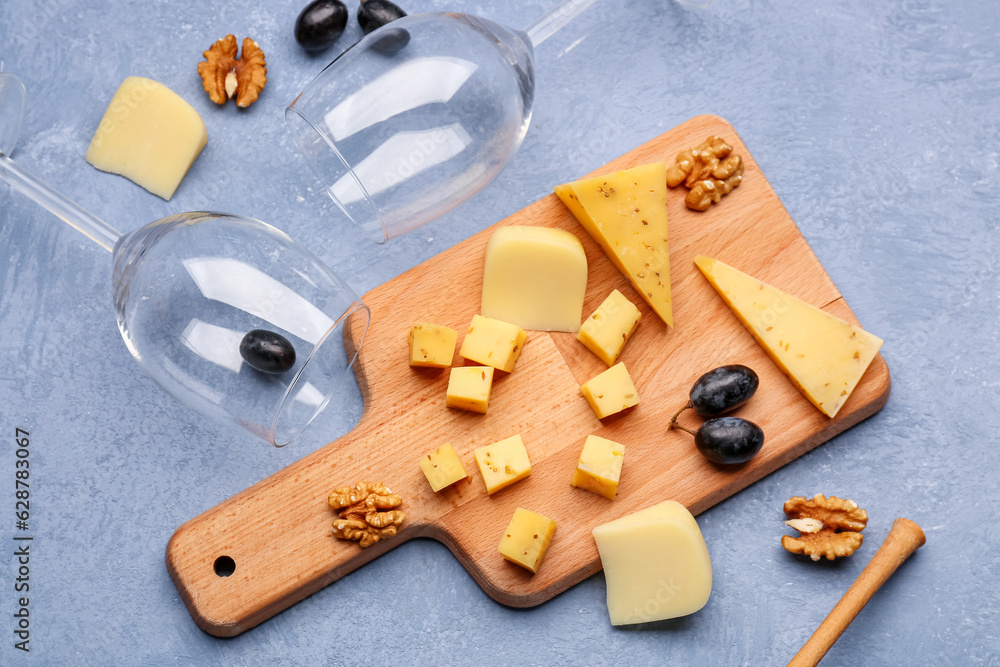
903	539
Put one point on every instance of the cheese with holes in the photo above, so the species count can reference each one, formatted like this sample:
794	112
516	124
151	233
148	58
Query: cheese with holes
149	135
503	463
609	327
599	467
656	564
442	467
824	356
610	392
535	277
432	345
469	388
492	342
626	212
527	538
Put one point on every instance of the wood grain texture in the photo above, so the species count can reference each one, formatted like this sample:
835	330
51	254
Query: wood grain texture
278	531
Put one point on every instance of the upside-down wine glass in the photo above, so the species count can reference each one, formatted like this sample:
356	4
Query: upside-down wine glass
188	291
420	115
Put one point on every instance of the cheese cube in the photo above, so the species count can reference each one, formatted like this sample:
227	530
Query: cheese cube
610	392
606	331
535	277
469	388
527	538
503	463
149	135
493	343
656	564
599	467
442	467
432	345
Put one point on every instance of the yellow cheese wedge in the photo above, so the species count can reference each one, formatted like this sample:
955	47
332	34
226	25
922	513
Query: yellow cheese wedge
822	355
149	135
656	564
503	463
442	467
599	467
607	330
626	213
535	277
527	539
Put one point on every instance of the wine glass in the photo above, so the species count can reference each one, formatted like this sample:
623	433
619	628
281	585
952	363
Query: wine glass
227	313
420	115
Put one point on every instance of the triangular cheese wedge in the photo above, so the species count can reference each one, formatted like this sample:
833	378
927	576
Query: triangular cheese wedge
822	355
626	213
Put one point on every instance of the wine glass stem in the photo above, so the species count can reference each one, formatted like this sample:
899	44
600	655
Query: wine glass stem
555	18
68	211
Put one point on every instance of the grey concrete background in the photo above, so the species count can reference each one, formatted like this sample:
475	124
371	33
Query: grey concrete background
877	125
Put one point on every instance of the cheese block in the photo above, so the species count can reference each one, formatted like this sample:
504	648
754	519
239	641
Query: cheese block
431	345
610	392
609	327
626	212
469	388
824	356
527	539
599	467
535	277
656	564
503	463
492	342
149	135
442	467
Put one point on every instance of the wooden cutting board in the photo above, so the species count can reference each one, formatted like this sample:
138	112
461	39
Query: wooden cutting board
277	532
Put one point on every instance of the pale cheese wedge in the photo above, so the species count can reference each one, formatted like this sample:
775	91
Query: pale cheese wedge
656	564
535	277
626	213
822	355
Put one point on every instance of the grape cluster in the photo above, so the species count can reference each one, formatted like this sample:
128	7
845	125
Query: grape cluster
724	440
322	22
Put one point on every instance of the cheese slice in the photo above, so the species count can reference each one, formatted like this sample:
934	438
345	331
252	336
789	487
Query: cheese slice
822	355
149	135
626	213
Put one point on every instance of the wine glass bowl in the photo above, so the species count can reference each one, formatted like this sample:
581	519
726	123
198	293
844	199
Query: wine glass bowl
191	290
13	100
415	118
188	289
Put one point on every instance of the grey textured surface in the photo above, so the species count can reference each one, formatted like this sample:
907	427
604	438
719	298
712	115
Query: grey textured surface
877	125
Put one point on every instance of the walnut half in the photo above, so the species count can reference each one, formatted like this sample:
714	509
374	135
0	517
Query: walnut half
366	511
828	527
224	75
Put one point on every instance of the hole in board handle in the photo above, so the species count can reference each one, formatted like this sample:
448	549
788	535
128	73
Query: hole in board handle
224	566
